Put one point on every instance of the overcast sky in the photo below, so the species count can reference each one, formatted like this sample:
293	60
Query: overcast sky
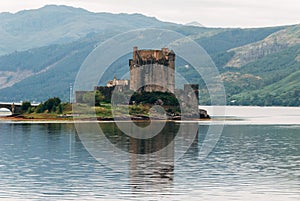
210	13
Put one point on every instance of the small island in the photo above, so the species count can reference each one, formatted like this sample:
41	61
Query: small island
149	94
55	110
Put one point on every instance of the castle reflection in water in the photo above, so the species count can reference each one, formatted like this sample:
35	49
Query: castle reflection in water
150	162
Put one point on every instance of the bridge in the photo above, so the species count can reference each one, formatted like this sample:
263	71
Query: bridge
15	108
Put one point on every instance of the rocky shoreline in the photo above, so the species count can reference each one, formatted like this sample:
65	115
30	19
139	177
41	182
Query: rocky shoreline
203	115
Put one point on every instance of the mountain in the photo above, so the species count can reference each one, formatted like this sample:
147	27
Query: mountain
284	92
194	23
274	43
256	65
268	77
62	24
40	73
265	69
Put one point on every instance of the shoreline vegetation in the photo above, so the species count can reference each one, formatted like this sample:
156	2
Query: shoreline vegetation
70	119
54	110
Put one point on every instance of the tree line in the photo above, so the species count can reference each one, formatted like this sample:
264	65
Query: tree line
52	105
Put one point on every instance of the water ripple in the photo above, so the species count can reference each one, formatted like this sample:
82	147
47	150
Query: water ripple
48	162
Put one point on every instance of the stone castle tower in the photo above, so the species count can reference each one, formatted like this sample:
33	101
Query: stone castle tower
152	70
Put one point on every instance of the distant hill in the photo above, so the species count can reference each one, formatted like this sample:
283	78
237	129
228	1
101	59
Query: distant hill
62	24
40	73
274	43
284	92
194	23
43	50
278	80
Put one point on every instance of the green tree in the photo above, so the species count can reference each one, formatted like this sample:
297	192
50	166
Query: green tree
40	108
60	109
25	106
51	104
98	98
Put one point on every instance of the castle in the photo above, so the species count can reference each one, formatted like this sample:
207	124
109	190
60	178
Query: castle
150	71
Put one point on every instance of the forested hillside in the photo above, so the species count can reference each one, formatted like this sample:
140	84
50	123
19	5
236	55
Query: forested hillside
258	66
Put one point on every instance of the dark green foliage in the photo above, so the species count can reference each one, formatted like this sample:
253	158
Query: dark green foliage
40	108
51	104
60	109
285	92
161	98
106	92
25	105
98	98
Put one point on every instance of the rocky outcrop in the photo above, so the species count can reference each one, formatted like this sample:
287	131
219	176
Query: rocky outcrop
272	44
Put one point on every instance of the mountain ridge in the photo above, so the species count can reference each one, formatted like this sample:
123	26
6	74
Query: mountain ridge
31	28
45	71
274	43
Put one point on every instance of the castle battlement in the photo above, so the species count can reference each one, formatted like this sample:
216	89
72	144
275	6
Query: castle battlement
152	70
164	57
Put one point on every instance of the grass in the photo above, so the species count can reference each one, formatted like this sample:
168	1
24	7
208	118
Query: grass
82	111
40	116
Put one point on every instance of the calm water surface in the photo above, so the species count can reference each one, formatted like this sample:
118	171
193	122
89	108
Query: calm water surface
50	162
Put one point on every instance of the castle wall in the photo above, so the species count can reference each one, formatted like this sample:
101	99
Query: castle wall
79	96
152	77
192	93
189	99
152	70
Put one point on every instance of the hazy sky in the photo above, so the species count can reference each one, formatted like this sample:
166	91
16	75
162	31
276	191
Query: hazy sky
211	13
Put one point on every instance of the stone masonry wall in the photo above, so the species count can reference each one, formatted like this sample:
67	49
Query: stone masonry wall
152	70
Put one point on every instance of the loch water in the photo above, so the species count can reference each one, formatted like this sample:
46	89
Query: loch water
63	161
